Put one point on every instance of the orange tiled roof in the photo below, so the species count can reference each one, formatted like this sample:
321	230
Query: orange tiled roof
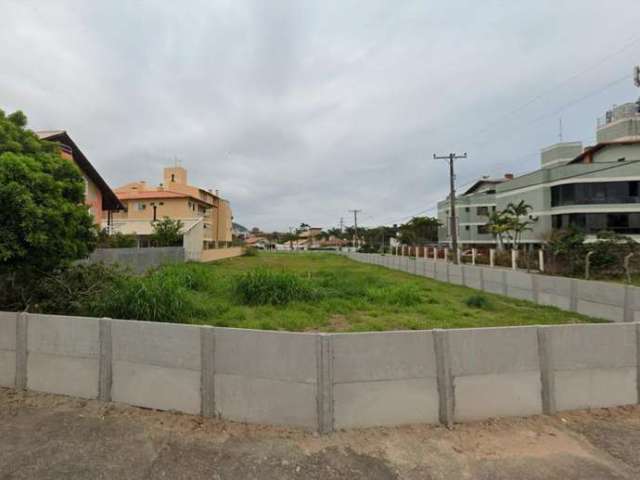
133	195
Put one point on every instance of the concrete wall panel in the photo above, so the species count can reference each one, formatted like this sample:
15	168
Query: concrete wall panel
151	343
258	400
65	375
505	394
493	350
594	388
386	403
7	368
599	310
493	281
158	387
59	335
269	355
472	277
595	346
7	348
362	357
519	285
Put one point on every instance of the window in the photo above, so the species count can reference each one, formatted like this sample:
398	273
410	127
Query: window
467	209
594	193
467	228
173	177
622	159
592	223
483	211
140	206
483	230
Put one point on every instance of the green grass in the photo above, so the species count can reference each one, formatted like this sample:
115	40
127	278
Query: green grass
325	292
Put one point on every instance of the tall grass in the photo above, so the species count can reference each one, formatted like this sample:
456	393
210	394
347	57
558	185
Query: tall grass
268	287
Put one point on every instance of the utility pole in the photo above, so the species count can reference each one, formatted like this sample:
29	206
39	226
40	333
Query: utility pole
341	224
355	227
453	224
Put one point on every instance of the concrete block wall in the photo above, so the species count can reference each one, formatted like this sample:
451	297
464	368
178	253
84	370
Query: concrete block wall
138	259
325	381
605	300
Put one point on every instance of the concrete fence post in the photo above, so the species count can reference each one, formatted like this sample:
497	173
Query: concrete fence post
587	265
474	252
514	259
541	259
324	383
105	360
446	254
547	377
627	312
458	256
207	371
446	392
492	257
22	324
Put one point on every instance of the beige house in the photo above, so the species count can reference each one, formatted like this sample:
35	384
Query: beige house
207	218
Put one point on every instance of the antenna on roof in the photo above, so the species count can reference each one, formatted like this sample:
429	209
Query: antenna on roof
560	129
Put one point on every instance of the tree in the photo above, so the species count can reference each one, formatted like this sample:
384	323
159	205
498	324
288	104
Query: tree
44	224
167	232
499	226
419	230
517	226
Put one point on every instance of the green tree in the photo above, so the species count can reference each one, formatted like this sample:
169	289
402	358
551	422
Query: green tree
499	226
518	221
167	232
44	224
419	230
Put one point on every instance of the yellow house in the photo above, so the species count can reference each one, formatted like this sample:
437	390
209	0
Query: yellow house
174	198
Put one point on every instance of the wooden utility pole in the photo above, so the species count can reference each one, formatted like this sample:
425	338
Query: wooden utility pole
453	224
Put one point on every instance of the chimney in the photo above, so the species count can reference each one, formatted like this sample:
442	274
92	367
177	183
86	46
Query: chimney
508	176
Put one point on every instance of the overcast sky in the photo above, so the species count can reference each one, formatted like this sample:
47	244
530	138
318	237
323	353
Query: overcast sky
301	110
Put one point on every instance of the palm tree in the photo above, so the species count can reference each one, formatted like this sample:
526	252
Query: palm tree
515	212
499	225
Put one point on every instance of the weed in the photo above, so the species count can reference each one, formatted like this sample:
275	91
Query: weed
477	301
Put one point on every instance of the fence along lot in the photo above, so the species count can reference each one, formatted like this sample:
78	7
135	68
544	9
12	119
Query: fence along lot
606	300
323	381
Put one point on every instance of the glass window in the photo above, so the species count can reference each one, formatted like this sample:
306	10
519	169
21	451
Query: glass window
483	229
595	193
483	211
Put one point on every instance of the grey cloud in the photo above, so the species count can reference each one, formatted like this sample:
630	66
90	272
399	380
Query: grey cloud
298	111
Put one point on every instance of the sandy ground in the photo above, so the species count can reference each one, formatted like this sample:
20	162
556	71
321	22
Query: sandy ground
55	437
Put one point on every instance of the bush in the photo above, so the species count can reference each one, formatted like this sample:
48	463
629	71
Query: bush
157	298
70	291
250	252
477	301
266	287
116	240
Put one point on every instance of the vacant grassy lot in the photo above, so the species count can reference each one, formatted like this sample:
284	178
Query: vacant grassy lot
306	292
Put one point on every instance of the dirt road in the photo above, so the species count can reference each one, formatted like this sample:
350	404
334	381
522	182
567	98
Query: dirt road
53	437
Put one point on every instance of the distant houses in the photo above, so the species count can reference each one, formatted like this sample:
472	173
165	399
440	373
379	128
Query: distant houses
132	208
197	208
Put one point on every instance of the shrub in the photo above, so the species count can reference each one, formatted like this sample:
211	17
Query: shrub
250	252
405	295
266	287
477	301
158	298
70	291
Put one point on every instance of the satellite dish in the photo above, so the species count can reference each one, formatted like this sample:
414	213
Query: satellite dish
636	75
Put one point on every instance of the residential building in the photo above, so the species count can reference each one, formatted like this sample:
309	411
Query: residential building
593	189
100	199
198	209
